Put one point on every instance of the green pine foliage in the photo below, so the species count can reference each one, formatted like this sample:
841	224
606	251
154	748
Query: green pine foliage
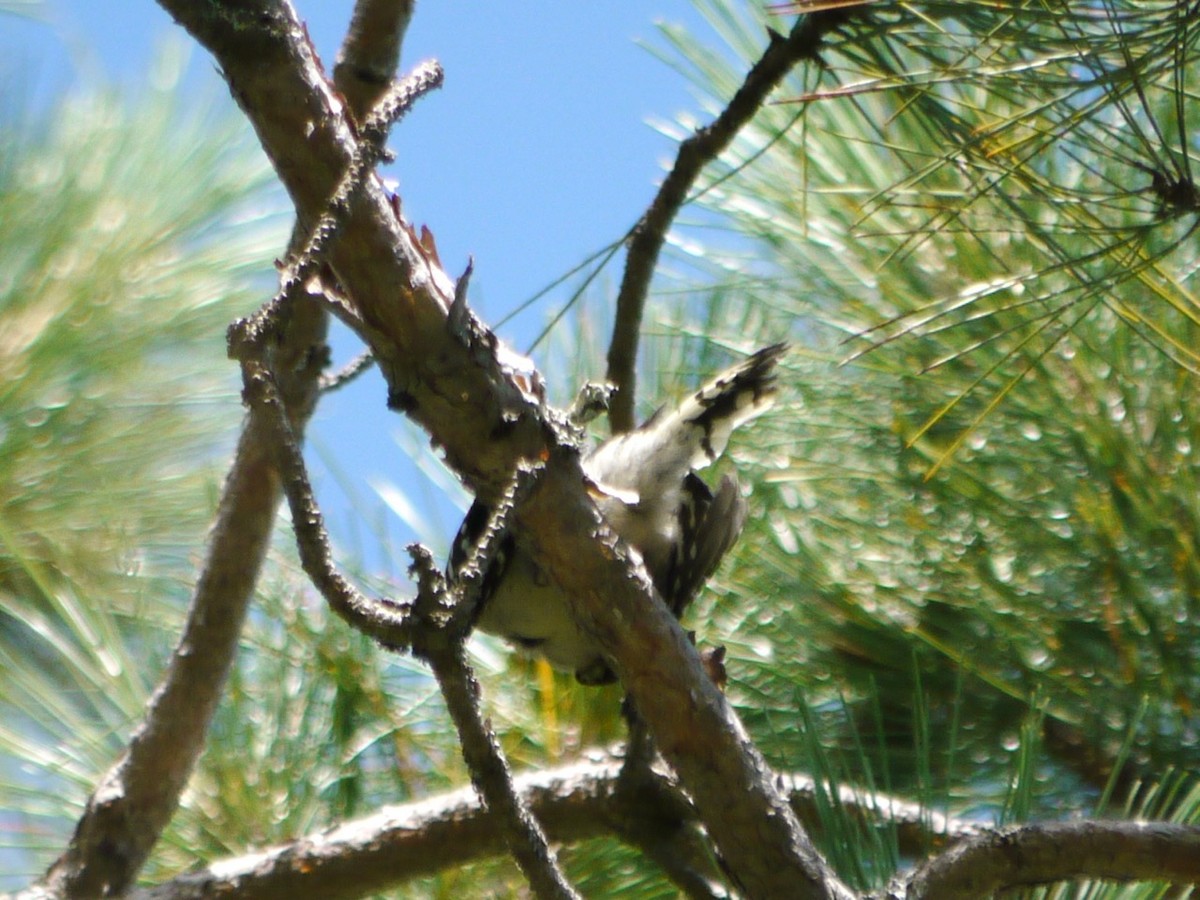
972	563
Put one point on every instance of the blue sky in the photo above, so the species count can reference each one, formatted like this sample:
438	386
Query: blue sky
535	153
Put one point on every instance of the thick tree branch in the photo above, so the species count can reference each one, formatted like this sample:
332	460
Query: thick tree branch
397	290
1027	855
134	800
402	842
756	833
578	802
573	803
647	237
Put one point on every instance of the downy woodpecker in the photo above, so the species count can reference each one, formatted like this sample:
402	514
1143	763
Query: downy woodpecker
650	495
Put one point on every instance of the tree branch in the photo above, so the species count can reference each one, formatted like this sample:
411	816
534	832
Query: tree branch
400	842
135	799
392	105
385	621
1026	855
441	645
370	53
438	621
396	288
348	373
574	803
653	815
757	835
647	237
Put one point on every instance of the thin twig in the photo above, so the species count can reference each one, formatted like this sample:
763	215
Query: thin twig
348	372
491	777
440	643
647	237
250	341
371	146
366	63
430	626
384	620
458	319
250	335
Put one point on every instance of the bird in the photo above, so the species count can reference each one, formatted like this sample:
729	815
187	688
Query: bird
647	489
